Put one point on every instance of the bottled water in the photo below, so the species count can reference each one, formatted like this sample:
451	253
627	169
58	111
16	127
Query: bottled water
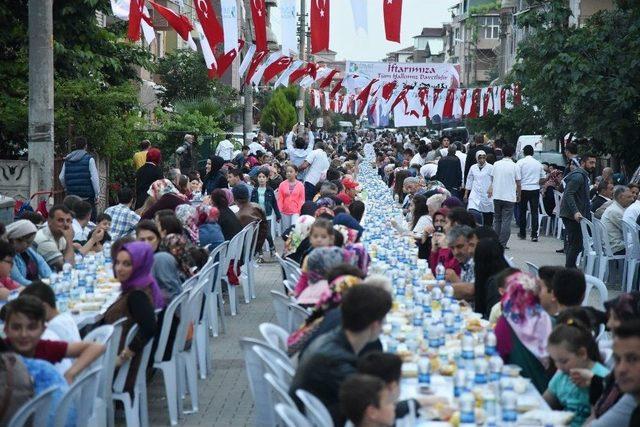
490	342
509	406
424	370
467	408
440	271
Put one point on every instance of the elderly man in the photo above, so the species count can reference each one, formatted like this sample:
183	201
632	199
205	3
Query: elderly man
612	218
462	241
410	187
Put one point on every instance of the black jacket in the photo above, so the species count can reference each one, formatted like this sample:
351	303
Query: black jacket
145	176
270	204
229	223
450	172
576	195
597	201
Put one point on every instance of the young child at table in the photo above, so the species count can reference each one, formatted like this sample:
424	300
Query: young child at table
574	350
60	326
7	285
366	401
24	320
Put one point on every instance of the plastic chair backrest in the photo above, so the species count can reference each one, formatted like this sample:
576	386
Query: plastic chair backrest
190	282
249	242
197	296
532	268
104	335
38	407
275	335
257	384
631	239
316	411
288	285
594	282
291	417
278	390
165	328
589	238
121	378
268	357
236	244
286	369
281	303
297	316
219	251
82	395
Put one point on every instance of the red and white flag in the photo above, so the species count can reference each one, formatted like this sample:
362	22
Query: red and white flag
458	102
517	94
439	99
319	25
363	96
308	70
207	52
246	61
283	80
210	25
255	63
271	59
229	16
121	9
178	22
336	88
475	103
135	17
224	61
328	79
447	111
392	19
276	68
259	16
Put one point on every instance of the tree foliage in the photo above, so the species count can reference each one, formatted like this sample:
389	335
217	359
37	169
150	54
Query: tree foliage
509	124
279	111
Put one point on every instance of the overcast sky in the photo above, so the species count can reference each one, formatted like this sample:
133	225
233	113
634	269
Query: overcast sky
373	45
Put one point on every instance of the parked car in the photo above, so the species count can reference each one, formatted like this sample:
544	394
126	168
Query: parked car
456	134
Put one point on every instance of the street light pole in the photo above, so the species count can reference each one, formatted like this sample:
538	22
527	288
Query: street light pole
302	34
40	138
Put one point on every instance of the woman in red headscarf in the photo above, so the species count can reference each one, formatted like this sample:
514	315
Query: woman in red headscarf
147	175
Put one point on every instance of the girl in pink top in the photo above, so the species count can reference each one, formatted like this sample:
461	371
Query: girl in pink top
290	197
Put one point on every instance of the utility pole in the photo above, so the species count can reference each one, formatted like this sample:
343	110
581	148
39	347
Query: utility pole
40	138
302	34
247	91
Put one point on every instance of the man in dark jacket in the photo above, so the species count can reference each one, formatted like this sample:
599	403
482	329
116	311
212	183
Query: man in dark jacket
79	174
575	206
332	357
450	172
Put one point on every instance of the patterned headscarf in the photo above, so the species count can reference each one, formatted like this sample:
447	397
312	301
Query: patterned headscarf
188	217
207	213
163	186
300	232
141	255
321	260
522	310
324	210
326	202
176	245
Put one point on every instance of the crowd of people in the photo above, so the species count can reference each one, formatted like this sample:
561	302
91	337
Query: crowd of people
459	200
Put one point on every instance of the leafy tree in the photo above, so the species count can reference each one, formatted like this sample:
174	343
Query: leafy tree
509	124
280	111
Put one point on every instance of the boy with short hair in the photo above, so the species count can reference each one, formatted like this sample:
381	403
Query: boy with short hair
24	320
366	401
547	299
568	287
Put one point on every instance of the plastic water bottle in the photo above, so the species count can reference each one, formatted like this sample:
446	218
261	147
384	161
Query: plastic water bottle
106	251
509	406
66	271
495	367
482	368
440	271
467	346
424	370
467	408
490	343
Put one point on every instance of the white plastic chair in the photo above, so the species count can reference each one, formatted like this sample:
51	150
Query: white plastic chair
289	286
247	270
201	320
169	368
82	396
259	388
557	196
107	361
38	407
297	316
542	215
215	303
278	390
291	417
234	255
135	403
291	270
281	303
532	269
283	371
607	253
603	293
275	335
315	410
591	246
632	242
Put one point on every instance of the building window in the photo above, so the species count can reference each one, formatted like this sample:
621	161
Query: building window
456	35
491	26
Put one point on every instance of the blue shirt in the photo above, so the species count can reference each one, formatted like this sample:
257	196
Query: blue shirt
574	398
19	269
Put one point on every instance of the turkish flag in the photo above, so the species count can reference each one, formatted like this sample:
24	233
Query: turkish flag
210	24
224	61
327	80
447	111
259	16
276	68
475	103
392	18
309	70
517	94
336	88
319	25
255	62
135	16
178	22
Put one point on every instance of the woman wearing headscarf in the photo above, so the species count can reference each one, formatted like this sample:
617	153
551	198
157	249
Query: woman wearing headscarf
165	195
313	283
172	265
227	220
610	407
188	217
28	265
148	173
209	231
139	297
523	329
297	245
440	252
215	178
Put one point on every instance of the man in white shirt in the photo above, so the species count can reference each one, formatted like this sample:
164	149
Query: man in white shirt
505	190
612	218
225	148
531	176
55	241
420	157
429	170
477	190
255	146
316	164
462	156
